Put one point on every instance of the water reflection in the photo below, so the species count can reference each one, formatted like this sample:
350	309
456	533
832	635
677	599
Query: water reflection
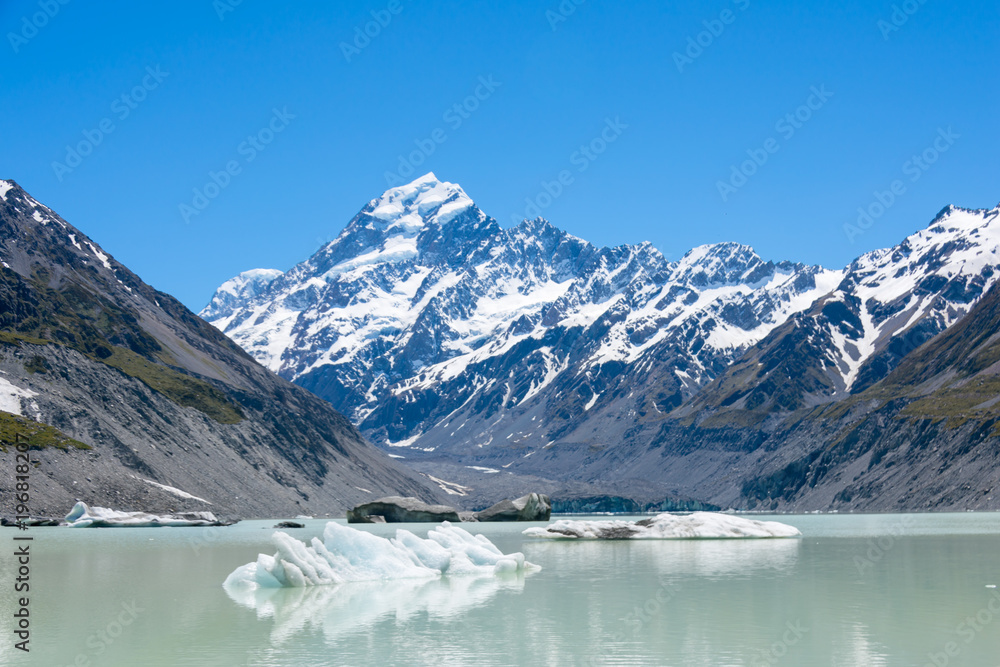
346	609
669	558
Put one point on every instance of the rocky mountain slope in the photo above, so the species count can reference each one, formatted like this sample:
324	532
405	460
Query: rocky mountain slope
133	402
479	353
925	437
880	396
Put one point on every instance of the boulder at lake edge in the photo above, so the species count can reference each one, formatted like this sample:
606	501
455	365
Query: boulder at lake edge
532	507
395	509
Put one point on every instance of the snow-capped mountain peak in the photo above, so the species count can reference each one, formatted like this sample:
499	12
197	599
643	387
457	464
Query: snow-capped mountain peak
425	199
424	304
407	210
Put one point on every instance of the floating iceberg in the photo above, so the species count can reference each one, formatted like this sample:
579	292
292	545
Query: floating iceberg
348	555
698	525
84	516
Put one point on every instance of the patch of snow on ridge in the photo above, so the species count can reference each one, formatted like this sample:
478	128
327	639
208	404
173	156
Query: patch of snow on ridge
451	488
101	256
402	443
5	187
483	470
11	395
177	492
349	555
697	525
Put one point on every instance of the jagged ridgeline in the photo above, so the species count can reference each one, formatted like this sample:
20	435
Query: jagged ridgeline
133	401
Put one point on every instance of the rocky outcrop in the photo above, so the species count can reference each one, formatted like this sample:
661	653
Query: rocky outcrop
395	509
532	507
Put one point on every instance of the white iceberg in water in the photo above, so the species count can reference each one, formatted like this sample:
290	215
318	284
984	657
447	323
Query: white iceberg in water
348	555
84	516
698	525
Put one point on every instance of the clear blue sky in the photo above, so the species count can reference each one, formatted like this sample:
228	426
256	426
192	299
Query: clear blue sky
355	113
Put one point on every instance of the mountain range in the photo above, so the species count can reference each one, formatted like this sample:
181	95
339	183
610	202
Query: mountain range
129	400
493	359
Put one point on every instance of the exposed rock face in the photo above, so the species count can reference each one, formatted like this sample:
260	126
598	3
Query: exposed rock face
395	509
532	507
149	407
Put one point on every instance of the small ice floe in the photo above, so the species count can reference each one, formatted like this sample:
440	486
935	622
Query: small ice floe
698	525
349	555
84	516
991	585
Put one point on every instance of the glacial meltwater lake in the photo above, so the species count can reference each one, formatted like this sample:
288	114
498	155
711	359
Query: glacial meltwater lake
853	590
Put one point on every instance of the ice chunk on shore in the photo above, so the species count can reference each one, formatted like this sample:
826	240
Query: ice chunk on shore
698	525
84	516
348	555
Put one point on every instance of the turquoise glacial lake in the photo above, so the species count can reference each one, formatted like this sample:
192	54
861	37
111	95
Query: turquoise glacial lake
855	590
